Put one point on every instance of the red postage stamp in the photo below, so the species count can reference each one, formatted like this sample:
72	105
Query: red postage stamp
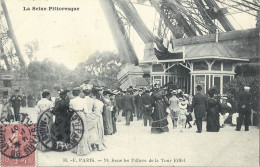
18	144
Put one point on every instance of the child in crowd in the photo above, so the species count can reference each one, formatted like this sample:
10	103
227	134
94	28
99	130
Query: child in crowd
189	117
182	113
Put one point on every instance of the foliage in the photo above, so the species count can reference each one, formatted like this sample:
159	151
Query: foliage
103	66
50	75
31	48
236	86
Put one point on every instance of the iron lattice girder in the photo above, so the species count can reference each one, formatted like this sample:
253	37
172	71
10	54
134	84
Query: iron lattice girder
195	24
208	21
219	15
188	29
242	6
132	15
168	20
3	56
123	44
12	37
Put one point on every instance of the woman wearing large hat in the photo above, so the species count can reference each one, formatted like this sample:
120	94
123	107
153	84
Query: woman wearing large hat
45	105
159	115
213	110
107	113
98	110
61	128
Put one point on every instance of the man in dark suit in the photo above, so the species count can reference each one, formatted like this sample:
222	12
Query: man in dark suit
120	106
129	105
16	101
244	102
139	104
199	103
147	105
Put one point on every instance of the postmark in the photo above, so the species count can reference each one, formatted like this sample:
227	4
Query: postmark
48	137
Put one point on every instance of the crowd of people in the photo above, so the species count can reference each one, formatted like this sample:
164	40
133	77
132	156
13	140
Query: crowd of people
101	108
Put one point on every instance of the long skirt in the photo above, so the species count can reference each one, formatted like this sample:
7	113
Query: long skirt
100	132
160	123
107	121
84	146
100	129
212	121
91	121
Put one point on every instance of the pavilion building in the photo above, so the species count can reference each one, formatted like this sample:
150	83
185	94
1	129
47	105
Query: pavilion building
208	60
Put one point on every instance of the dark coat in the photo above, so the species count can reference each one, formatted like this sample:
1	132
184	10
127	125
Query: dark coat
60	130
147	100
199	104
128	102
244	98
16	101
138	101
119	102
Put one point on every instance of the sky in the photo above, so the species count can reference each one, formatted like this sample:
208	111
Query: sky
70	37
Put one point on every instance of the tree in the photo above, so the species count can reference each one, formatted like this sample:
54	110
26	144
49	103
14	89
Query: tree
235	86
31	48
49	75
103	66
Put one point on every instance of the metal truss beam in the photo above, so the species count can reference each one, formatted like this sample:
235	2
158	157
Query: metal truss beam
4	56
209	23
167	21
180	19
132	15
221	17
123	43
12	36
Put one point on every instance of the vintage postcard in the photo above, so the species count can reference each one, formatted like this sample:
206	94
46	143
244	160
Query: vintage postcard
129	82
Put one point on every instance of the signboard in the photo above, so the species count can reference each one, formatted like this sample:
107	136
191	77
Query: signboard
200	80
6	77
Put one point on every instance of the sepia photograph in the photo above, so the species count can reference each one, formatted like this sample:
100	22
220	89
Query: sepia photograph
129	83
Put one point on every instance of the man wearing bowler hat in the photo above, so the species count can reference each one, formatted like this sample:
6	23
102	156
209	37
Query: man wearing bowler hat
139	104
147	105
16	101
129	105
244	102
199	105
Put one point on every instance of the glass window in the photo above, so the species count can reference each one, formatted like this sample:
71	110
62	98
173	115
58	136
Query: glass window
200	80
207	83
227	66
157	68
7	83
217	84
216	66
202	65
226	79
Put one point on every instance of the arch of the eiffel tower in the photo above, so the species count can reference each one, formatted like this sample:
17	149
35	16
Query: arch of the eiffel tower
13	70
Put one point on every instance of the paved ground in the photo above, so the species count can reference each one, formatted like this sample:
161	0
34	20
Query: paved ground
135	145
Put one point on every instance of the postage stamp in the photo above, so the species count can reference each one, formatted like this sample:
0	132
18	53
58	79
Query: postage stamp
18	142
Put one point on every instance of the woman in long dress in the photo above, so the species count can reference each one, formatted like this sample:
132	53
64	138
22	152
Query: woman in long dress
159	115
60	130
45	105
98	110
77	104
213	110
107	114
91	118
